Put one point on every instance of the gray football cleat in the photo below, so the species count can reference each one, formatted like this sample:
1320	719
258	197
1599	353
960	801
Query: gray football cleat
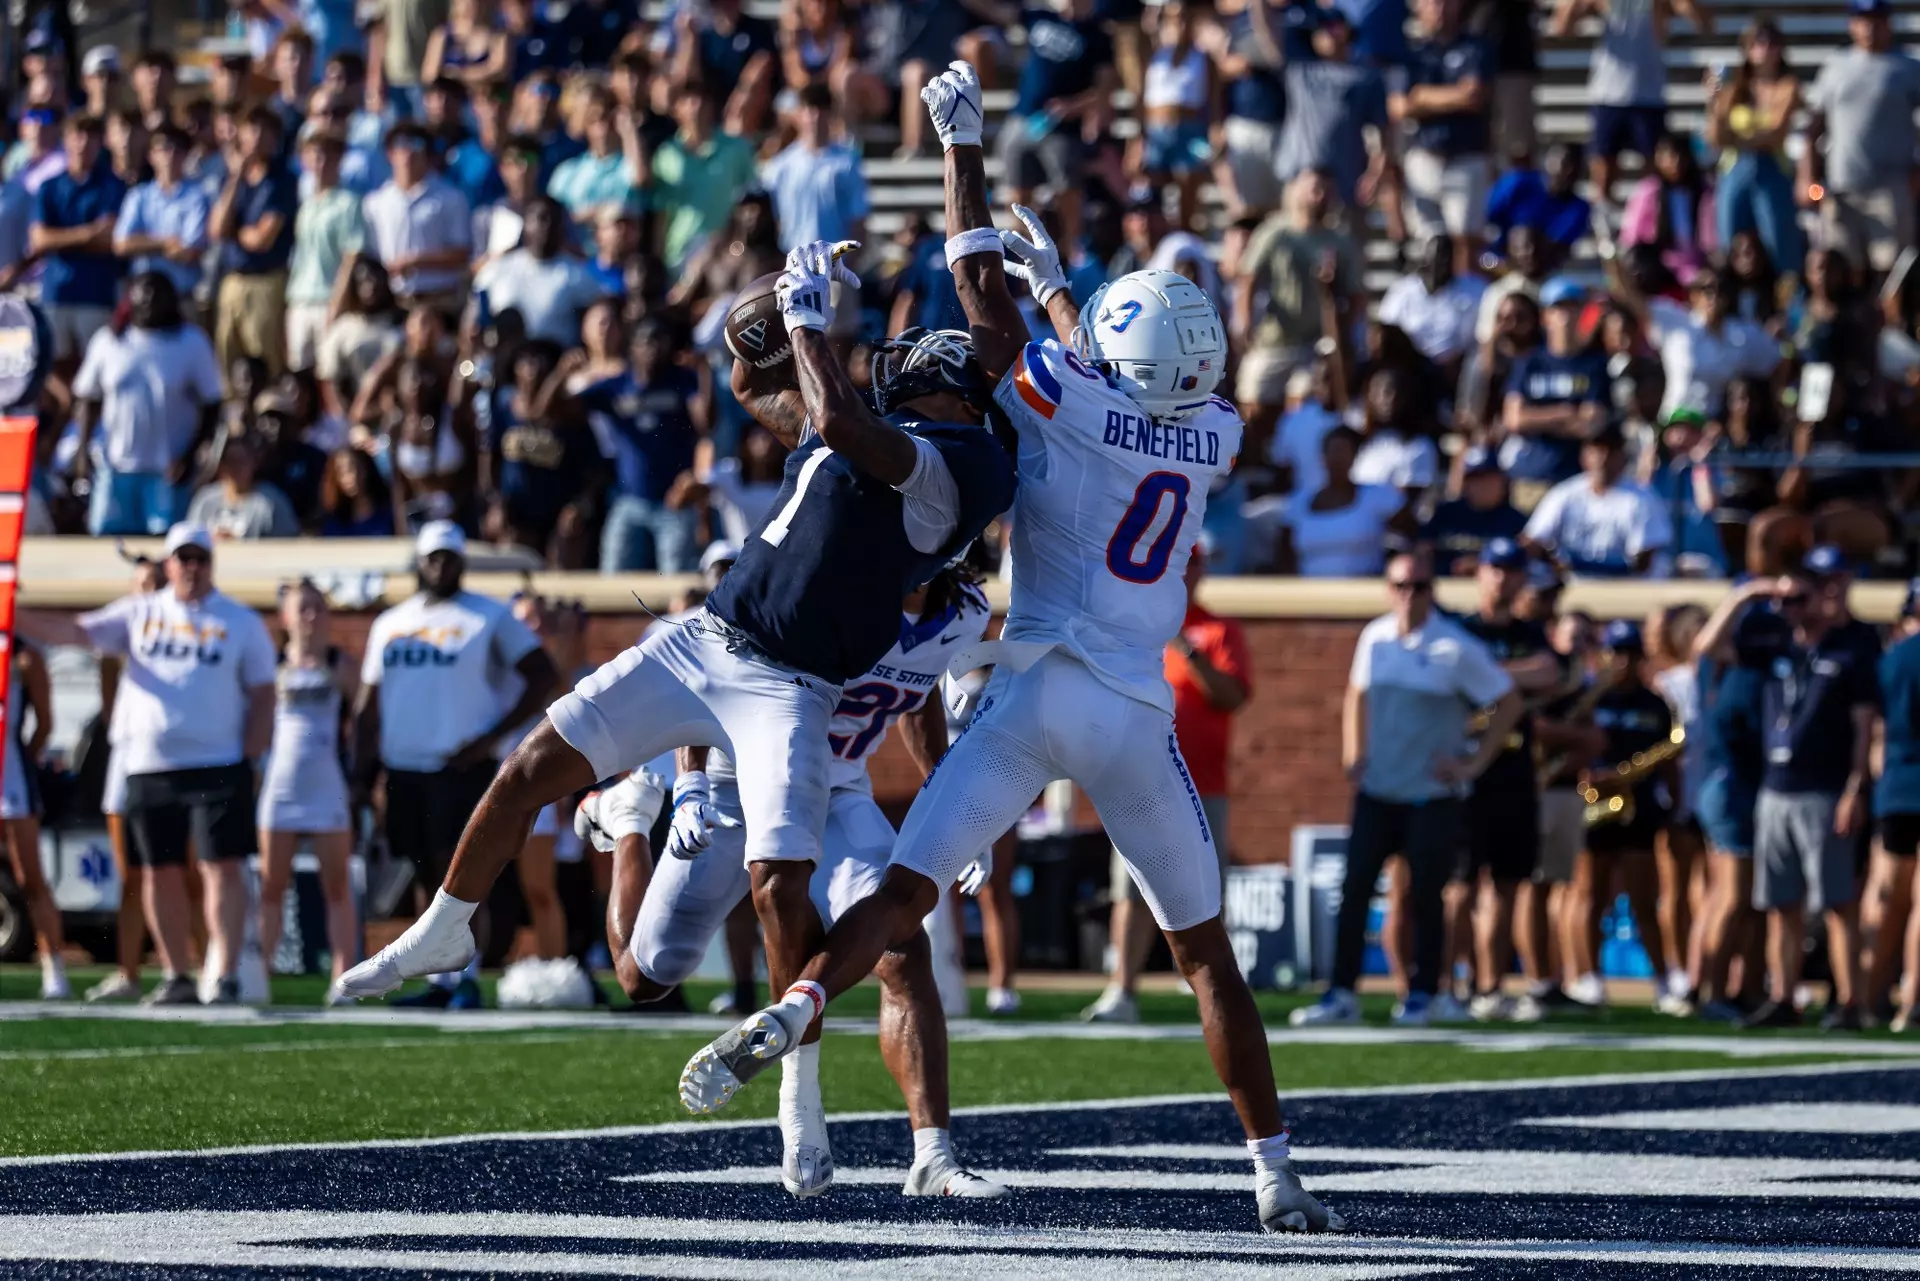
716	1072
1285	1206
806	1170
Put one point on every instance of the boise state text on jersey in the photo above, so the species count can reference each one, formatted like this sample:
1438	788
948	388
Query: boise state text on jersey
900	683
818	585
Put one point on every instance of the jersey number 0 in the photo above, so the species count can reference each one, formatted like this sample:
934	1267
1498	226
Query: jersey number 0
1142	516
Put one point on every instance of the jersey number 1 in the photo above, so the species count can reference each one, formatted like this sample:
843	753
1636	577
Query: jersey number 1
1142	519
775	530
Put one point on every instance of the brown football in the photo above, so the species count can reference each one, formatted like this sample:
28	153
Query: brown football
756	336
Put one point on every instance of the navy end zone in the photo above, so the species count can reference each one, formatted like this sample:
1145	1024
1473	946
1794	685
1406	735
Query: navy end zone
1780	1173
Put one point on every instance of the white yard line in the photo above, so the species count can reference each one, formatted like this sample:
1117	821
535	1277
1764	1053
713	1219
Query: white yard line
444	1022
1160	1100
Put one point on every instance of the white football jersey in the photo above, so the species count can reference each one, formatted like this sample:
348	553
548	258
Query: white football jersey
1109	506
898	685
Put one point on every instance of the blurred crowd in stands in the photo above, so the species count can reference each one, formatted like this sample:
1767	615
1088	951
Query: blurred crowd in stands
407	260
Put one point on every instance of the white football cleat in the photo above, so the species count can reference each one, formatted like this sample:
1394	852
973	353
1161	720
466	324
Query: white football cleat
1285	1206
1338	1006
1002	1001
1114	1006
434	944
806	1170
942	1176
717	1071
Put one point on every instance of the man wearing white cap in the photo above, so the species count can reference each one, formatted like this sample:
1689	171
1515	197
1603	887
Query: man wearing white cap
432	707
100	79
196	709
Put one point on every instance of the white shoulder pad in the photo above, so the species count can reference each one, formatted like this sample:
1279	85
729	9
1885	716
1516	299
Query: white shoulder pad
1221	416
1046	378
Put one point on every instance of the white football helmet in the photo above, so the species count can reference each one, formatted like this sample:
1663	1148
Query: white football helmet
1159	337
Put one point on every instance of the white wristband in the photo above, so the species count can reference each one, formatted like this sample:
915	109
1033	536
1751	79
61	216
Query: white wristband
978	240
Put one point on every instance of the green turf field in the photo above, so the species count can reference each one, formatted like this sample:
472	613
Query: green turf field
78	1084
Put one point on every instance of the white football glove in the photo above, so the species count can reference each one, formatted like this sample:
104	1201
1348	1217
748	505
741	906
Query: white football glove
805	290
953	103
628	808
974	876
586	823
1034	258
694	817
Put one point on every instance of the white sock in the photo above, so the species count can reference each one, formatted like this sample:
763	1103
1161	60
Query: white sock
52	967
800	1005
1268	1154
446	907
931	1144
801	1113
1677	984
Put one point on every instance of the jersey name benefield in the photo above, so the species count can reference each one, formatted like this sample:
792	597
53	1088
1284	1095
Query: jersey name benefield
1142	435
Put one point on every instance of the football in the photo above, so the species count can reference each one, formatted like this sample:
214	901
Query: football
756	335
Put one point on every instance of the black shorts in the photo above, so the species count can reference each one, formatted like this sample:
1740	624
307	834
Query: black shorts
211	806
1635	129
1626	838
1900	834
427	812
1500	831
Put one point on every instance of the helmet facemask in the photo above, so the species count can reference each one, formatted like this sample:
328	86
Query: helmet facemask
922	362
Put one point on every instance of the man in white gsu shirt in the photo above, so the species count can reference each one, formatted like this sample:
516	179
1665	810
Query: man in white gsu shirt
433	707
196	708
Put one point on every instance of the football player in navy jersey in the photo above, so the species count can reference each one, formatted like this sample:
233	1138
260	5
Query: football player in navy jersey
871	507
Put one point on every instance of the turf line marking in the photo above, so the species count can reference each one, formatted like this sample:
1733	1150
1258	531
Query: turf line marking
709	1247
989	1109
270	1047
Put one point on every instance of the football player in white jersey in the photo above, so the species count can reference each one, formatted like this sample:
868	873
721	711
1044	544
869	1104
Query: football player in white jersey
1120	441
660	923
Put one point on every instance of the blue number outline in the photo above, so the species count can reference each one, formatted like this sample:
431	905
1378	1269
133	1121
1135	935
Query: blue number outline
1139	516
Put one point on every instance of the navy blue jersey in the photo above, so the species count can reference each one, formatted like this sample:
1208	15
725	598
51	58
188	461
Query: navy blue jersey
818	585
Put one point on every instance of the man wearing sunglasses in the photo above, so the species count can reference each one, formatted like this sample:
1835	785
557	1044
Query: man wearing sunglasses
1818	706
195	709
1417	678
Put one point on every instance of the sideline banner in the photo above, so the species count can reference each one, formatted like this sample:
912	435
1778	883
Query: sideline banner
16	470
26	352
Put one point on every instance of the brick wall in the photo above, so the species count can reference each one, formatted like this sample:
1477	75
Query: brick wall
1286	744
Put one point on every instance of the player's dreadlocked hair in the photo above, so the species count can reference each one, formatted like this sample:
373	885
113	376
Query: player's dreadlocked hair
957	582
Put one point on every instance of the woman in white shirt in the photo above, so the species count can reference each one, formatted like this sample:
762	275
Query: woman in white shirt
1703	346
1340	531
1176	95
1397	449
